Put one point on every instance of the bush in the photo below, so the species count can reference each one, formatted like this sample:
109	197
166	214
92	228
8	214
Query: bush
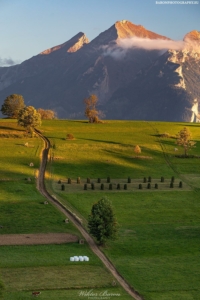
149	179
118	186
62	187
172	179
110	186
171	185
92	186
137	149
78	180
129	179
69	136
156	186
108	179
99	180
180	184
85	186
88	180
69	181
125	186
140	186
162	179
59	181
144	180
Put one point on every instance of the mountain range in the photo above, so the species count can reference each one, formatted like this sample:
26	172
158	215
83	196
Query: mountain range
136	74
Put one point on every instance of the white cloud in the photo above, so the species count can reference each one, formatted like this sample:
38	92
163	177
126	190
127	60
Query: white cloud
121	46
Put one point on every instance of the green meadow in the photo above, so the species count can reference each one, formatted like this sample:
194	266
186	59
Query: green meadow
158	247
24	269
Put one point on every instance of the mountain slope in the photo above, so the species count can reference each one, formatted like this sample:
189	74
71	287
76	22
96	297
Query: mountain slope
61	77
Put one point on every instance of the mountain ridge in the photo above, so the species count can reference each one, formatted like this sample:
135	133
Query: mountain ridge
62	76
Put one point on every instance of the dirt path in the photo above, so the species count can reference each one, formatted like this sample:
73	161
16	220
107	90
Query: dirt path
41	187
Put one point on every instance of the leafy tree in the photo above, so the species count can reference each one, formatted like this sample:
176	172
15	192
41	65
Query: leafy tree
183	139
90	111
12	105
29	118
102	223
47	114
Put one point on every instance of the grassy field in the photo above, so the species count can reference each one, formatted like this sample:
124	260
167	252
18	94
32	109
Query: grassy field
158	246
46	268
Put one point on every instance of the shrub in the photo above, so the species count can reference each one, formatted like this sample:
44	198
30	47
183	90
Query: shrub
149	179
99	180
118	186
88	180
92	186
62	187
156	186
69	136
59	181
171	185
144	180
172	179
129	179
140	186
137	149
125	186
78	180
69	181
162	179
85	186
108	179
180	184
110	186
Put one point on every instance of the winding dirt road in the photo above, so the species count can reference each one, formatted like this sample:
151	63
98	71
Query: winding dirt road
41	187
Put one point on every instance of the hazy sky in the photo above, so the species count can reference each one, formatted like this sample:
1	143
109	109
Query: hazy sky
27	27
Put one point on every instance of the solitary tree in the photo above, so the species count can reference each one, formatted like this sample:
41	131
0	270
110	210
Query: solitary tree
183	139
46	114
90	111
102	223
12	105
29	118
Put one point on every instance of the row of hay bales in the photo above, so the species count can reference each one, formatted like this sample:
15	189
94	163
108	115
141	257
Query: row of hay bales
108	180
79	258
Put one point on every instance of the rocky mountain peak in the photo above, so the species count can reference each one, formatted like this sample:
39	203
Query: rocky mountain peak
73	45
126	29
193	36
79	44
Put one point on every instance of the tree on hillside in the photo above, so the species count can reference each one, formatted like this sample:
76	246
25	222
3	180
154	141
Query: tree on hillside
29	118
46	114
183	139
12	105
90	111
102	223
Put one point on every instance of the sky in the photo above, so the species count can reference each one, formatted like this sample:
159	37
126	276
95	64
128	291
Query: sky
28	27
